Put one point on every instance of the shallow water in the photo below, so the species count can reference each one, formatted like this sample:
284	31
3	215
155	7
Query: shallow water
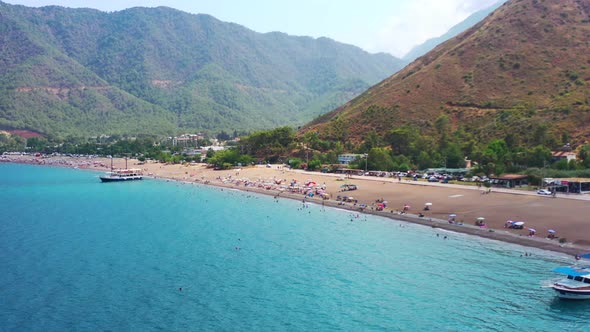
77	254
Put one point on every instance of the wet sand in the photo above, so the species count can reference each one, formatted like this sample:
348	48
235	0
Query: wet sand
568	216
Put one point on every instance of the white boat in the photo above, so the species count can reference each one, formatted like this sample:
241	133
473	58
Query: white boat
125	174
576	286
122	175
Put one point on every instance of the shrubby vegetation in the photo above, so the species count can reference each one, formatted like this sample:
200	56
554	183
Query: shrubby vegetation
406	148
11	143
401	149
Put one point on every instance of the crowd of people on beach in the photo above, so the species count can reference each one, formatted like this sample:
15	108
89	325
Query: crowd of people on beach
56	160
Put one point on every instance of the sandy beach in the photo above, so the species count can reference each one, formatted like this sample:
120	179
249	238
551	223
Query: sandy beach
568	216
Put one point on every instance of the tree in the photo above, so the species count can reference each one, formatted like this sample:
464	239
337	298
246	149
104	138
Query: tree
295	162
379	159
372	140
314	164
537	156
227	158
424	161
36	144
403	140
311	140
511	141
584	155
402	163
540	135
454	156
498	148
441	124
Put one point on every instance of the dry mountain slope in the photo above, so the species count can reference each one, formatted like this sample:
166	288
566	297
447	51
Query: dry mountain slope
525	65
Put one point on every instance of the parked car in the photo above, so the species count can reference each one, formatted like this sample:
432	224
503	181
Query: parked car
544	192
433	179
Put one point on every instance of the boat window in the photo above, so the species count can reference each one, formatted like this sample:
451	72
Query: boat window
578	278
586	280
570	277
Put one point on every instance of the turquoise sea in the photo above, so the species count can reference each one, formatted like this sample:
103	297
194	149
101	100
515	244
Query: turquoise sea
80	255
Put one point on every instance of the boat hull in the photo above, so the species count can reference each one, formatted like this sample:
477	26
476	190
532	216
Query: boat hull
119	178
571	294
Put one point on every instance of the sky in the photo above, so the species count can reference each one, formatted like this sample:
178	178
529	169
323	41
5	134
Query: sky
391	26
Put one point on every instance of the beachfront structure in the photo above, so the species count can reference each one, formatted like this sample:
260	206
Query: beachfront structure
571	185
192	152
510	180
347	158
445	170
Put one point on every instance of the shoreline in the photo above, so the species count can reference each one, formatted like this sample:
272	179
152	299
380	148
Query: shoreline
189	175
498	235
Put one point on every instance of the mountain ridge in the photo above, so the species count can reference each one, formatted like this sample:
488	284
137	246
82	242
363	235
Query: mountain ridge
467	23
523	66
184	71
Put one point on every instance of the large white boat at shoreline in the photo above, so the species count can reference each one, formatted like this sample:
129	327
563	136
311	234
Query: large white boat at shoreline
125	174
122	175
576	286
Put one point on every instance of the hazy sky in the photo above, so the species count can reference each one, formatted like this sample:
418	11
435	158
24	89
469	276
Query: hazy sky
393	26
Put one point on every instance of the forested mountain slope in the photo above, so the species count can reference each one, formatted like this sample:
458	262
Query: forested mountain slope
160	70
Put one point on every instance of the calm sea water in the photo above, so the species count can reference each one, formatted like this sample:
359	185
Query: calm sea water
80	255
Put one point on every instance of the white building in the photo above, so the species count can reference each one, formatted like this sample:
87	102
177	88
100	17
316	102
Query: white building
347	158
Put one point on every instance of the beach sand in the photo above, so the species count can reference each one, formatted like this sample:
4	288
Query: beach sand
568	216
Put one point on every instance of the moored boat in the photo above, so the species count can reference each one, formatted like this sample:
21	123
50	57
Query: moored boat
122	175
576	284
125	174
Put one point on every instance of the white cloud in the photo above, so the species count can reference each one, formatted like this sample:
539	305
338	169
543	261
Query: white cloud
420	20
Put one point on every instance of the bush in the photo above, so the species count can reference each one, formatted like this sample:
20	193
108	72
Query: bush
295	162
314	164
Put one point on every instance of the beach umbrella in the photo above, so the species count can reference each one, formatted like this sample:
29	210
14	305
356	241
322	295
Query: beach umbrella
518	223
481	218
532	230
407	206
452	215
428	204
551	231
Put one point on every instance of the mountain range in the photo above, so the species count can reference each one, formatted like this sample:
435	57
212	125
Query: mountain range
162	71
522	71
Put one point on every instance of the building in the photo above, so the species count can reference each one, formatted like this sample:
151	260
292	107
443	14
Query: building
509	180
187	140
559	155
450	171
571	185
347	158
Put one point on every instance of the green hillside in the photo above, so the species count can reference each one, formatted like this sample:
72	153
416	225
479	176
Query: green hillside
160	70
